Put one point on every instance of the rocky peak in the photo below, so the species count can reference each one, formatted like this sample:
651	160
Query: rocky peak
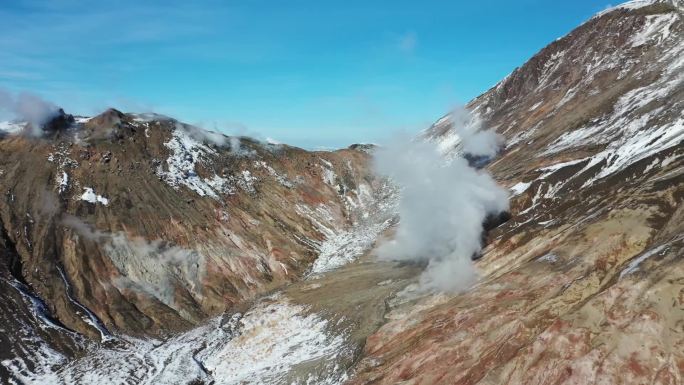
111	124
60	122
109	118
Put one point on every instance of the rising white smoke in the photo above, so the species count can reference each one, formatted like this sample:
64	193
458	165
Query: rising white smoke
151	266
474	138
29	108
442	207
203	135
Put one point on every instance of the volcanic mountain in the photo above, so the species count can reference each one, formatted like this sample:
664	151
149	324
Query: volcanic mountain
139	249
142	225
584	284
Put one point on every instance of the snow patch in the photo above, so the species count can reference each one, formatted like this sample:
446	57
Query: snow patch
657	27
12	127
329	176
345	247
273	339
261	347
629	5
90	196
246	181
148	117
520	188
186	153
535	106
548	257
634	130
62	182
550	68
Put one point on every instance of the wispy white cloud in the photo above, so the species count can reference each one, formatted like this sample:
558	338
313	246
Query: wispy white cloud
42	39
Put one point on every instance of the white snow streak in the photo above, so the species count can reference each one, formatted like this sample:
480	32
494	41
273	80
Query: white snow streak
634	265
90	196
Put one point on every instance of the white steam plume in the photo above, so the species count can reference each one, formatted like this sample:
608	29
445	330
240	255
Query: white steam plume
197	132
203	135
151	266
474	139
442	208
29	108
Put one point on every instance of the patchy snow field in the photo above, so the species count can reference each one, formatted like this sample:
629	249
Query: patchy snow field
263	346
12	127
274	342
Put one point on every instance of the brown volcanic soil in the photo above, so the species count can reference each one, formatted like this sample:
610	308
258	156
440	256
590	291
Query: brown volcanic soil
584	284
259	231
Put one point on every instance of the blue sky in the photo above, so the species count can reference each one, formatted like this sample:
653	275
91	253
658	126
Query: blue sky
309	73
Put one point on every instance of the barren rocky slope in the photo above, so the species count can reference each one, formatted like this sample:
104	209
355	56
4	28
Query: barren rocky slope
174	249
585	284
140	225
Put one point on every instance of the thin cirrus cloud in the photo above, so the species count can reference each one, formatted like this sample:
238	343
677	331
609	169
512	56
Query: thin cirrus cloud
41	37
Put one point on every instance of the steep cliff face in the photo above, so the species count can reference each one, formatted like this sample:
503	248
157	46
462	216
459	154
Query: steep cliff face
584	283
139	224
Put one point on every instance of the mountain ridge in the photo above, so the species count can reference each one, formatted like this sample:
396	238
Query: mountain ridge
581	285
